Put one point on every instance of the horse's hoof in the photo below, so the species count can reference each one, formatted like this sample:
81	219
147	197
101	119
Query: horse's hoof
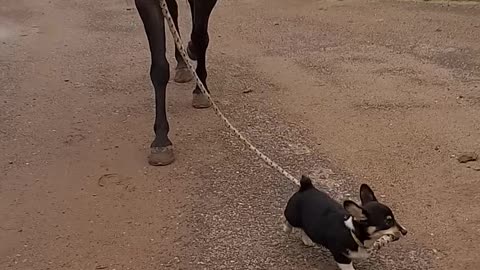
183	75
161	156
200	101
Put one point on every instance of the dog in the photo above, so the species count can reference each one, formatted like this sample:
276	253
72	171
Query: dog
346	231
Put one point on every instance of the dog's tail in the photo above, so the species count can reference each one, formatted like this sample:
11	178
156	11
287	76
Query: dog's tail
305	183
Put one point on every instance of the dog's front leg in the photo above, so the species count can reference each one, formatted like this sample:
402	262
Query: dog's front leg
346	266
343	262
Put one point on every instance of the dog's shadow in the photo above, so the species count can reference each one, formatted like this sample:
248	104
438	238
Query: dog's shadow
318	257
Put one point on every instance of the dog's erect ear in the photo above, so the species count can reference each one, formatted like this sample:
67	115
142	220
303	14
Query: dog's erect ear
366	194
355	210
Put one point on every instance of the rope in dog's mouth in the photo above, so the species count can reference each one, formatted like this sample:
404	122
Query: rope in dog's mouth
179	44
379	243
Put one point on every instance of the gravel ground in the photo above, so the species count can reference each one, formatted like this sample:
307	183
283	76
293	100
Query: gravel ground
382	92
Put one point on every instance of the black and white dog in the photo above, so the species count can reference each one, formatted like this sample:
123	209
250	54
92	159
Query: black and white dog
346	231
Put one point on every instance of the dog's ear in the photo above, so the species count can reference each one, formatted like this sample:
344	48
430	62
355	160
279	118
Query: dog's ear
366	194
357	212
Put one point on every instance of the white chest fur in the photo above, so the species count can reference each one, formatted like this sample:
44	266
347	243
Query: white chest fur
361	253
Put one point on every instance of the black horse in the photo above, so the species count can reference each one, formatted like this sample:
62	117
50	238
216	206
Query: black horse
161	149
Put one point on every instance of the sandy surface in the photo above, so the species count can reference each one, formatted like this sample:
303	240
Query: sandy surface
382	92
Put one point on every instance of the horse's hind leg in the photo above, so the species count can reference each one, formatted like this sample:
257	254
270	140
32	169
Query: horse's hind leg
182	74
198	46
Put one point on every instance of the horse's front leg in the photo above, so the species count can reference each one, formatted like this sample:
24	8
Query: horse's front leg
161	150
201	10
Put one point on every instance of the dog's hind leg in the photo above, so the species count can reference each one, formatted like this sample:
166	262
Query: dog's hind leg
306	240
287	228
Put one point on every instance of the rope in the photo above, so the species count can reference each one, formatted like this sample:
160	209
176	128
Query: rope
179	44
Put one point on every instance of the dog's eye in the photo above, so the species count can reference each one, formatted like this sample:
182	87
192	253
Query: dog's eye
389	221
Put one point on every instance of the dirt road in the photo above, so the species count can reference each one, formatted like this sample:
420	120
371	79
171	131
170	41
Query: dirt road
383	92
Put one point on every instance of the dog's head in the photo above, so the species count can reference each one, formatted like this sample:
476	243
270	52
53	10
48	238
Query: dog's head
373	218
